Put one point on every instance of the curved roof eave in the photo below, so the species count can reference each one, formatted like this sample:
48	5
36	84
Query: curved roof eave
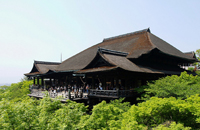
166	48
119	43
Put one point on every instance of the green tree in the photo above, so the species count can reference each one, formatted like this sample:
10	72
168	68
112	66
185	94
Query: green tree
198	57
105	116
17	91
162	112
44	114
67	117
19	115
191	69
172	86
198	54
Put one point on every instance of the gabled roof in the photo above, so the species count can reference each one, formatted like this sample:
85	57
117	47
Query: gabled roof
114	60
133	44
167	48
42	67
120	61
191	54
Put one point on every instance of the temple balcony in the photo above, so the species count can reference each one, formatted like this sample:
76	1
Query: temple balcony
111	93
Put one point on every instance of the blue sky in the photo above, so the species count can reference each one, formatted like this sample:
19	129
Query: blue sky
42	30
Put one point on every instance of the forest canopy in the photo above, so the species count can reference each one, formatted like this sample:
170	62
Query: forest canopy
168	103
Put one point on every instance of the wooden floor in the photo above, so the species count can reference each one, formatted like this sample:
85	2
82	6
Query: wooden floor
84	97
38	93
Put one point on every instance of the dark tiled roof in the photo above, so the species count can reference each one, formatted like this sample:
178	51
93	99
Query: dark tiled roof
32	74
46	62
107	51
122	44
98	69
42	67
167	48
134	44
122	62
191	54
118	52
125	35
125	64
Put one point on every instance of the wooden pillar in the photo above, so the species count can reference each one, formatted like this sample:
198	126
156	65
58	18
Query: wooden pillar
66	81
112	83
54	82
135	83
144	81
50	80
104	83
42	81
86	80
117	82
126	83
38	81
93	82
33	80
70	80
59	81
77	81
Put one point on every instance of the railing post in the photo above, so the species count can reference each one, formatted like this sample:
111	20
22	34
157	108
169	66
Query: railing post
118	93
81	93
69	94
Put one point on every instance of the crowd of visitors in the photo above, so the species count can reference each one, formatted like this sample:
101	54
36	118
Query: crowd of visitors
74	89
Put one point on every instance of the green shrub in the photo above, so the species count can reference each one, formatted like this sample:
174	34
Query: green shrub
105	116
157	111
172	86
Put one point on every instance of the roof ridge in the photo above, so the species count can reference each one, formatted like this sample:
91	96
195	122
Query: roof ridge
46	62
173	51
108	51
189	52
127	34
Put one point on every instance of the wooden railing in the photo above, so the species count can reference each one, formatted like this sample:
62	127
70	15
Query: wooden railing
68	94
111	93
92	93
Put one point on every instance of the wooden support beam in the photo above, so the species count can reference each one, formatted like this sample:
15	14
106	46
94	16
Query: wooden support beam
66	78
54	82
42	81
50	80
77	80
59	80
104	82
38	81
126	83
70	80
33	80
112	82
86	80
93	82
117	83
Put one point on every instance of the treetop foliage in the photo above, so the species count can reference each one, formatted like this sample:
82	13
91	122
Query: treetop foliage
179	87
198	54
15	92
170	103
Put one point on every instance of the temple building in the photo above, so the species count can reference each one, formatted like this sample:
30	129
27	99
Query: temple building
190	65
122	62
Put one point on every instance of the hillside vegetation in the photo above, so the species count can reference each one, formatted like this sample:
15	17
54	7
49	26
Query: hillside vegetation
168	103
